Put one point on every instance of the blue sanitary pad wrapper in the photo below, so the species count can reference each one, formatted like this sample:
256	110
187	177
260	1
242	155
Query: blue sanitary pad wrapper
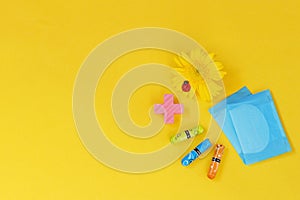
252	125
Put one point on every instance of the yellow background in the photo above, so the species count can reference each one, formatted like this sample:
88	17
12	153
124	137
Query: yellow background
43	44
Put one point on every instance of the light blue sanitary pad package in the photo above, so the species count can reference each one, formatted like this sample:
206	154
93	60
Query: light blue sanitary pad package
252	125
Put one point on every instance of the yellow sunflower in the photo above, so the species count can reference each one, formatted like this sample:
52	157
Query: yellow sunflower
201	71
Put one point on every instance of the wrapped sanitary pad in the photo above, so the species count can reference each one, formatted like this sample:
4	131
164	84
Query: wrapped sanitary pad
252	125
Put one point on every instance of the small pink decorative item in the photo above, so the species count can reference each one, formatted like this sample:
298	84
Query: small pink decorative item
186	87
168	108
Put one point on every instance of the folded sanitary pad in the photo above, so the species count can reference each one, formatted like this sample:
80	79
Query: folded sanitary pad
252	125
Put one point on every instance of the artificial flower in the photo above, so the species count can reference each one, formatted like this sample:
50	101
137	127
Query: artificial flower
201	71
